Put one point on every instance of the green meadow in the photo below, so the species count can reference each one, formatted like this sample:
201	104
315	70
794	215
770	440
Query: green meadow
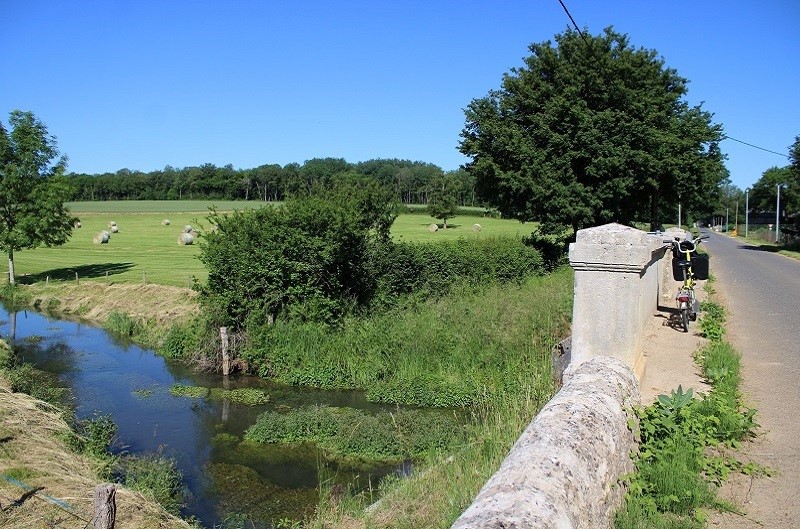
145	250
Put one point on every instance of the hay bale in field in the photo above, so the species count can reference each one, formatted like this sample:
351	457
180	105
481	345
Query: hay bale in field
187	229
77	224
165	222
433	227
111	224
114	229
101	238
476	227
185	239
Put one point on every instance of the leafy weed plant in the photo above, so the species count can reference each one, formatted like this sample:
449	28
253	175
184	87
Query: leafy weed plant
685	441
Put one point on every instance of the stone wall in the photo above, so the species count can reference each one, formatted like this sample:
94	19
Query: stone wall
563	471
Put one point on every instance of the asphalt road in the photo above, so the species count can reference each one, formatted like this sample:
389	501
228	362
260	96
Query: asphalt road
762	292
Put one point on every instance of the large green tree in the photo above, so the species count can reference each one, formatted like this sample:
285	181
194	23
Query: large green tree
32	189
591	130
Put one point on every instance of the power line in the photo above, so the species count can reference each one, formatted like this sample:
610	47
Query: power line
573	23
754	146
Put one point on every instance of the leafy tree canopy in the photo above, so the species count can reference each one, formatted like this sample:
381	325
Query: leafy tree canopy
32	189
591	131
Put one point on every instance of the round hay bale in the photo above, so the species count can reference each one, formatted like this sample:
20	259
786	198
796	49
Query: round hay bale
111	224
476	227
185	239
165	222
102	237
187	229
433	227
114	229
77	224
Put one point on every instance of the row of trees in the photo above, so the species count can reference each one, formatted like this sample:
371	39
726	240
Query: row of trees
411	182
762	197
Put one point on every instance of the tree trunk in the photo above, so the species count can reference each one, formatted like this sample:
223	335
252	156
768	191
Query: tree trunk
11	267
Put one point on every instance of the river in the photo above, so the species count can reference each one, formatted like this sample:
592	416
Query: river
227	481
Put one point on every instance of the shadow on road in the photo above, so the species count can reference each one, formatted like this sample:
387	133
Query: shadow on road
761	247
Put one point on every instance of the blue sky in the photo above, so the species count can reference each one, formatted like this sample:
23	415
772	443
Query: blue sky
144	84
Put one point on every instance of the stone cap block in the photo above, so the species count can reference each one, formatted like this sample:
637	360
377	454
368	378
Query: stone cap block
612	247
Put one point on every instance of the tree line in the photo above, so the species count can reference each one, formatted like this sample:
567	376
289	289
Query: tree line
411	181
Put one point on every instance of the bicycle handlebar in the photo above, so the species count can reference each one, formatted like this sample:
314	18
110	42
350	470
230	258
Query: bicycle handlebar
684	245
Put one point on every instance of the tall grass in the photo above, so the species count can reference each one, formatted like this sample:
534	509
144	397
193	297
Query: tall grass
500	341
686	440
454	351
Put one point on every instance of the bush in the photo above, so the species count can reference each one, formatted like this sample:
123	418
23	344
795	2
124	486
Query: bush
432	270
300	261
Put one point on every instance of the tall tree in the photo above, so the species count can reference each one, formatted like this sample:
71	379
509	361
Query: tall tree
32	188
443	197
588	131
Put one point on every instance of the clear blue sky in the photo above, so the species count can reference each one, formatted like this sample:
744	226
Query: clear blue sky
144	84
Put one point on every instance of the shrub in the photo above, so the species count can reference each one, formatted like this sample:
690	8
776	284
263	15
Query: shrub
432	270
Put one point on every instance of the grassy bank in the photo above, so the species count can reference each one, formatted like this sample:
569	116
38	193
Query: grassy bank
37	452
527	322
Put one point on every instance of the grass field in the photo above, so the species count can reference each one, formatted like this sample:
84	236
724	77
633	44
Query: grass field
146	251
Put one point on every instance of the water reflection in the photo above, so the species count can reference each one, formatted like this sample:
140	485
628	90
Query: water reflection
226	478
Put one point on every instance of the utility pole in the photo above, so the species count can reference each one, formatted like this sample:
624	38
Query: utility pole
778	216
746	211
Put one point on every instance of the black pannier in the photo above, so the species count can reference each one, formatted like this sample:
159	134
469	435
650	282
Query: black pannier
699	267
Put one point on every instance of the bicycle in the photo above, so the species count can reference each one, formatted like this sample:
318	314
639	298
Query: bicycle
688	266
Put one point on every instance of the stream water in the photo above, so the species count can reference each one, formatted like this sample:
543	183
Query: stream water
226	480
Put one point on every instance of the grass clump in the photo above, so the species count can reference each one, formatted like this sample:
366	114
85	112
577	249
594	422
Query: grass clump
155	476
246	396
344	433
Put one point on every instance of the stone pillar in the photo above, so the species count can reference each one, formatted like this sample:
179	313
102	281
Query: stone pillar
614	292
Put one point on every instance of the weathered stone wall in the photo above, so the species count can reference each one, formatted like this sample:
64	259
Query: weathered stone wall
563	471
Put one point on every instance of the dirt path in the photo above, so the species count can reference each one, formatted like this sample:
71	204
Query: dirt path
761	292
668	353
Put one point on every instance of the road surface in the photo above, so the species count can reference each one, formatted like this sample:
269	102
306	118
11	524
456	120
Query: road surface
762	292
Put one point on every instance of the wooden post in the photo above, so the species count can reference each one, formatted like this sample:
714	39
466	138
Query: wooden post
76	278
226	359
144	277
104	507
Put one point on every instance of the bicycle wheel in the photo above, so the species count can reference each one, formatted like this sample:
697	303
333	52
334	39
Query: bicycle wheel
685	319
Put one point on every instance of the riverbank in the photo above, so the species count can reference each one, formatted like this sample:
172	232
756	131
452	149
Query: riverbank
43	483
94	301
